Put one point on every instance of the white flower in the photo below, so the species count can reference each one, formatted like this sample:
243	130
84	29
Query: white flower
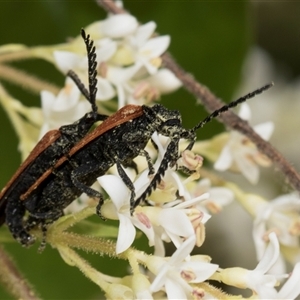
105	49
218	196
258	280
121	79
127	55
175	274
177	223
147	49
164	81
241	154
118	26
150	88
263	284
65	108
280	215
290	289
120	196
141	287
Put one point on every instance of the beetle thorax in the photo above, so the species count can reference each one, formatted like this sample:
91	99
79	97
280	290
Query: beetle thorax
165	121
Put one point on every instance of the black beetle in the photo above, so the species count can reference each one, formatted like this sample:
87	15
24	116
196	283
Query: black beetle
117	141
54	144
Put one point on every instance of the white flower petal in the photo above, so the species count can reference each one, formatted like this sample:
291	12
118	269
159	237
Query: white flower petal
151	69
155	46
174	290
202	270
183	252
117	26
67	98
126	234
245	112
291	289
225	159
47	99
143	33
105	49
192	202
259	229
176	222
160	279
270	256
265	130
248	168
118	75
105	90
165	81
66	60
116	189
222	196
149	232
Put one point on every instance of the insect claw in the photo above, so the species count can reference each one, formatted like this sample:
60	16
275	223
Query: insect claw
25	239
98	211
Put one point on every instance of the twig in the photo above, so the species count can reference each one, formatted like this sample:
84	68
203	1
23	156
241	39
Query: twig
211	103
12	280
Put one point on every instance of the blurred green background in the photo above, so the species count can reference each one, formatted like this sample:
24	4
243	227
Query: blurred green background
210	39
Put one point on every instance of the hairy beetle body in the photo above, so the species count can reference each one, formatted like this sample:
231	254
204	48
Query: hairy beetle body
86	161
54	145
59	172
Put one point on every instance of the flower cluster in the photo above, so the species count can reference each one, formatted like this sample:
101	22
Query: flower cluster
178	210
128	61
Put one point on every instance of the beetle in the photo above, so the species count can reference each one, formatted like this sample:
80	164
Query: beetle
55	143
118	140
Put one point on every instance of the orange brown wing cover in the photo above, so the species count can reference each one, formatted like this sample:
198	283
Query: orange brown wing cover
44	143
123	115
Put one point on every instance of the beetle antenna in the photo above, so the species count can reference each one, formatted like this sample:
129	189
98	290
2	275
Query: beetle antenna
92	69
79	84
226	107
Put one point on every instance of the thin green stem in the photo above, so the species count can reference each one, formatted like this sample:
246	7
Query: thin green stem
83	266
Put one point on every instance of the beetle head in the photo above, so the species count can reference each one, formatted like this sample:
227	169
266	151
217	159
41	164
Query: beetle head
165	121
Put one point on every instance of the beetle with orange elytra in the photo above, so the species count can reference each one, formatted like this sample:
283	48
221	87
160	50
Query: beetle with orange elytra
34	198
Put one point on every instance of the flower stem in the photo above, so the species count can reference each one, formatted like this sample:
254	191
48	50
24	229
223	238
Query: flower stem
83	266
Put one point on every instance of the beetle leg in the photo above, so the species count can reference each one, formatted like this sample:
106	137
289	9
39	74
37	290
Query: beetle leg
127	182
32	222
42	246
44	219
186	170
170	156
15	212
144	153
154	144
82	172
131	164
188	135
44	228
